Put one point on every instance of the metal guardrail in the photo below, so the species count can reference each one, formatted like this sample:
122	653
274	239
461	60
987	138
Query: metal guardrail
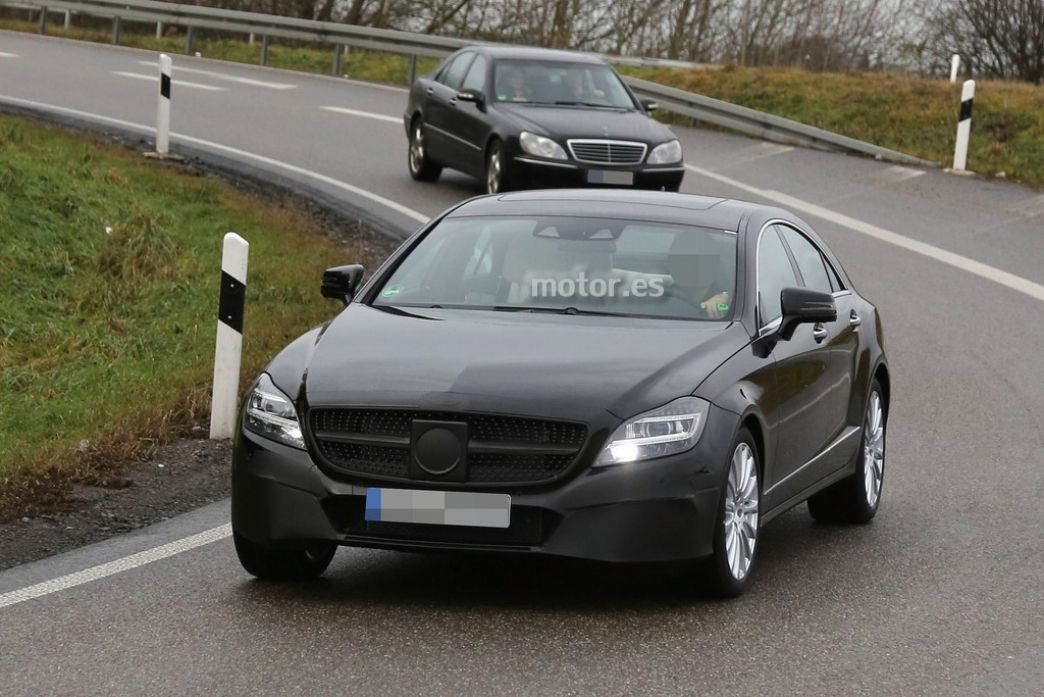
695	106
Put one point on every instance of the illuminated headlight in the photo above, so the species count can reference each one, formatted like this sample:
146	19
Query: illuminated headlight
540	146
271	414
673	428
666	153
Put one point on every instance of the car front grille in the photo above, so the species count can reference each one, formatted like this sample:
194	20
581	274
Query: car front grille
501	449
607	152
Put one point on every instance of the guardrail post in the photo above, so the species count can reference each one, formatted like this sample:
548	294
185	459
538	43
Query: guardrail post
411	74
190	39
43	20
264	50
117	25
68	19
960	155
228	347
159	30
338	57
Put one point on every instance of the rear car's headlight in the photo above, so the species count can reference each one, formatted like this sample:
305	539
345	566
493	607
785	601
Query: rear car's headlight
673	428
271	414
540	146
666	153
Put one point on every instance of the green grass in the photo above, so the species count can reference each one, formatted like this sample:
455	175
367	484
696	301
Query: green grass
108	293
903	112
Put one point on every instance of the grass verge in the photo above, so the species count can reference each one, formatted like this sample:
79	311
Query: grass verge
109	275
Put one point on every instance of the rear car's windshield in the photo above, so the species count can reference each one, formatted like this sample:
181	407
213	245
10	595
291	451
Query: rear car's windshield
569	265
555	82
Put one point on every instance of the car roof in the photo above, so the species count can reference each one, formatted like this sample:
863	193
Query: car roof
544	54
625	204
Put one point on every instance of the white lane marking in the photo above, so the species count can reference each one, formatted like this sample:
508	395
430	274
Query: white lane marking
116	566
8	55
177	83
895	175
330	181
770	149
977	268
364	114
230	78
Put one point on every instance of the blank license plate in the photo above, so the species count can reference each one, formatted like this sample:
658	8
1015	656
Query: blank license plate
601	176
438	507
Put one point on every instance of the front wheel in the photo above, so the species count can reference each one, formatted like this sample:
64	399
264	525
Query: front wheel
497	179
283	564
737	527
855	499
422	167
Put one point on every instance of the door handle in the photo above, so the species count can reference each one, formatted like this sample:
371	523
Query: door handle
819	332
854	320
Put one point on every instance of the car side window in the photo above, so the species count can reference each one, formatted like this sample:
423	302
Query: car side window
452	74
809	260
476	78
775	273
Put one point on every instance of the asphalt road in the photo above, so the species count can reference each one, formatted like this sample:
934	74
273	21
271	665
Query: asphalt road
942	594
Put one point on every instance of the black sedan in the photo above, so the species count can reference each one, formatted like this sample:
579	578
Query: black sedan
531	118
616	376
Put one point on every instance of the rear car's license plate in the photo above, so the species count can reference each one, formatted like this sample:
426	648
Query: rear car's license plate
438	507
602	176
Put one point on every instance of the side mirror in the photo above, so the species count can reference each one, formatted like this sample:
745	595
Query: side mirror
804	306
650	105
475	96
341	282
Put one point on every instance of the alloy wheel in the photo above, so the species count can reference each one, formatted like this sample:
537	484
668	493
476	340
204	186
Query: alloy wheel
741	511
494	172
417	149
873	449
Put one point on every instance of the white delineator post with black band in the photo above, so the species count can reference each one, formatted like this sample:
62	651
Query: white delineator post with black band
163	106
229	346
960	154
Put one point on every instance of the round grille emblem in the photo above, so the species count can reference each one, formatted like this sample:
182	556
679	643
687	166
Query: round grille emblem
437	451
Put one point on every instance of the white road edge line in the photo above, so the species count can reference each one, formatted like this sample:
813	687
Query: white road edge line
4	54
364	114
230	78
116	566
976	268
330	181
178	83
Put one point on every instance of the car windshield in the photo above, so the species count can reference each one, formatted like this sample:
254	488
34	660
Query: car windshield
569	265
555	82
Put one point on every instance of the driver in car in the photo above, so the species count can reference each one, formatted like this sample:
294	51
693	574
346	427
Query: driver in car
700	277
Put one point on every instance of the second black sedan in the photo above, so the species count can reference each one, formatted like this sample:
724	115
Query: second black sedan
532	118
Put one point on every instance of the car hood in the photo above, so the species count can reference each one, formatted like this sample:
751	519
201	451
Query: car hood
554	366
569	122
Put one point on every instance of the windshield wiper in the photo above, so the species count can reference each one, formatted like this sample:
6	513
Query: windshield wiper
598	105
553	310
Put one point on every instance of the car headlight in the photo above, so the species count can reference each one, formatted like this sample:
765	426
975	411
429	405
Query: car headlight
541	146
271	414
666	153
673	428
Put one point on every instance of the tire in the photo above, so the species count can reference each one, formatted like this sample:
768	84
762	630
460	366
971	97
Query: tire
737	526
422	167
856	499
497	178
283	564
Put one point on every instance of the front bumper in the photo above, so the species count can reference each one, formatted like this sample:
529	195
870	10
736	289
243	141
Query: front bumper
534	172
658	510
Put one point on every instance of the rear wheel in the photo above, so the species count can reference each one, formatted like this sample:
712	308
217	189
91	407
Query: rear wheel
737	527
422	167
497	179
855	499
302	564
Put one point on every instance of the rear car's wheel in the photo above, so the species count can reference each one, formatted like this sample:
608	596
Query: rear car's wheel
422	167
283	564
855	499
498	170
737	527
